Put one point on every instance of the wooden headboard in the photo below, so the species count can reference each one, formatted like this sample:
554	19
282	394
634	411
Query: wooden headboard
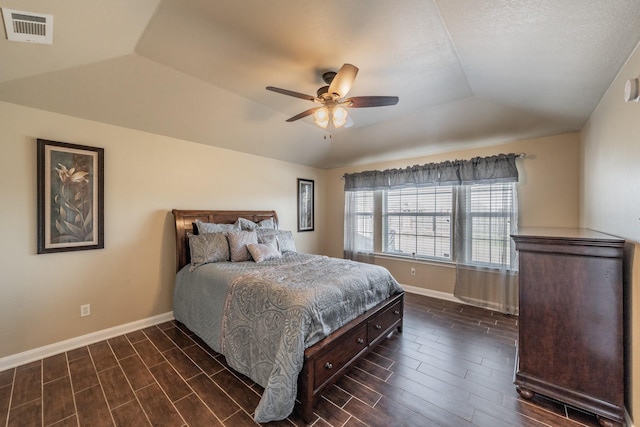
185	220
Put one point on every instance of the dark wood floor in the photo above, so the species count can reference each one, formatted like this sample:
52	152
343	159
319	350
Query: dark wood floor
451	366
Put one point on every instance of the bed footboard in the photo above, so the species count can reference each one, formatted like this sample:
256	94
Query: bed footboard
326	361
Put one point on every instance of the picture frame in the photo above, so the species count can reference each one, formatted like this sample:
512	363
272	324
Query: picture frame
70	181
305	204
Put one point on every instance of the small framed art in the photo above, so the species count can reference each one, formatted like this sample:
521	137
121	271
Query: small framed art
70	197
305	204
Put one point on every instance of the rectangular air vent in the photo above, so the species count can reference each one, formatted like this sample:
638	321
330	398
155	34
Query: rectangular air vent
28	26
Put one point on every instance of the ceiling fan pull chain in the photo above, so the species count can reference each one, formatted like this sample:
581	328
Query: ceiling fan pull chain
329	131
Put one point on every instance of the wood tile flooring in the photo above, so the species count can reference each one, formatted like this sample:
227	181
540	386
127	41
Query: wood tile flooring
451	366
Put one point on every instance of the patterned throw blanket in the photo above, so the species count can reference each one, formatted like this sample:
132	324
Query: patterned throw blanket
273	315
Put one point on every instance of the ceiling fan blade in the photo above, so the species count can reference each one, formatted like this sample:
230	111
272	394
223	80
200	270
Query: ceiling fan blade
303	114
341	83
291	93
370	101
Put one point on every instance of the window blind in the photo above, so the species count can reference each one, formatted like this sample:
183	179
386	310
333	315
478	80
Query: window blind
418	222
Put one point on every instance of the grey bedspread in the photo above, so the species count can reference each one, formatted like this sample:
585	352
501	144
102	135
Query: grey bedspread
263	316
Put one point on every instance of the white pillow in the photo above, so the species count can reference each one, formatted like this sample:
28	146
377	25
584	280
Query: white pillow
262	252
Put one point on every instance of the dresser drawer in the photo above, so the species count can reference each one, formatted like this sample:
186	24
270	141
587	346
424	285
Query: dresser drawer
347	347
382	322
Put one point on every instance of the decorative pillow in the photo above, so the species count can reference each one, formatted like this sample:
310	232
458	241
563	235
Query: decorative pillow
238	241
210	227
247	224
207	248
261	252
286	242
268	239
284	238
268	223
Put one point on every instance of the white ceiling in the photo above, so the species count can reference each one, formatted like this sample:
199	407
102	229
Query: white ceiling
468	72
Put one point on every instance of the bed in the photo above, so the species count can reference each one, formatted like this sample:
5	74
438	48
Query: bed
266	331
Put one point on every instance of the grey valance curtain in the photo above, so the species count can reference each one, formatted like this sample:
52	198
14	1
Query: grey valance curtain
479	170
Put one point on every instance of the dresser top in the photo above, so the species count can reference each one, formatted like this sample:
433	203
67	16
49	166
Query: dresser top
560	233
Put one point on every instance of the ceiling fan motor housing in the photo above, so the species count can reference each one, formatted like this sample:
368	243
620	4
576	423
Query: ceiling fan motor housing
328	76
322	91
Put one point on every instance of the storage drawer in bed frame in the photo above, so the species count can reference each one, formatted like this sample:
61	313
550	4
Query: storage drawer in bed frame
329	359
347	347
380	324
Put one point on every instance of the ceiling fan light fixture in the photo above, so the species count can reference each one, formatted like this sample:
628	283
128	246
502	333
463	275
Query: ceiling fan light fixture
339	116
321	117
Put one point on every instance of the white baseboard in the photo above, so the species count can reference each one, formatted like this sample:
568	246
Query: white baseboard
14	360
431	293
23	358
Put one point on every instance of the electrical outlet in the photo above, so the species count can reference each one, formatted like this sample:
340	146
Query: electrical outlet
413	271
85	310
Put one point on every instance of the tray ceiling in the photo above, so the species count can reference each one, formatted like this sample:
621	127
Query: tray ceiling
468	72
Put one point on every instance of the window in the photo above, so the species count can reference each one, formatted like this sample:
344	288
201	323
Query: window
363	213
417	222
468	224
488	210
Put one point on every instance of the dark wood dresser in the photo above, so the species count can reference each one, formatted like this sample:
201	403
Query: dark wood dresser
571	319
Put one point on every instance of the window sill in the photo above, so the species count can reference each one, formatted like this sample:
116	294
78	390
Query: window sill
439	263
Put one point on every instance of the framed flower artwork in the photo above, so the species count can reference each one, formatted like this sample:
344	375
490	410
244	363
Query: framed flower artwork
70	197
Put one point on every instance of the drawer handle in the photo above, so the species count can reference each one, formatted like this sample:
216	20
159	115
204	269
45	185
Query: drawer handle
378	327
328	365
396	311
360	341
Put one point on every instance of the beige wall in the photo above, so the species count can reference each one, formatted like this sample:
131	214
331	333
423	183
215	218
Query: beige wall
548	192
145	177
611	189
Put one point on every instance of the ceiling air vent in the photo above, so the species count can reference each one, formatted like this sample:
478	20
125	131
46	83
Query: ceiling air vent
28	26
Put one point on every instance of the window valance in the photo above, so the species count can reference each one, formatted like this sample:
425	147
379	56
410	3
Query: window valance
479	170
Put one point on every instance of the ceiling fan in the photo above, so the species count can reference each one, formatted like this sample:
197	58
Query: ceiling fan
332	97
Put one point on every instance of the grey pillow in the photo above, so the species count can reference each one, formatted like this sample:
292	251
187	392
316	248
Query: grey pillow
286	242
268	239
283	237
210	227
207	248
261	252
247	224
238	241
